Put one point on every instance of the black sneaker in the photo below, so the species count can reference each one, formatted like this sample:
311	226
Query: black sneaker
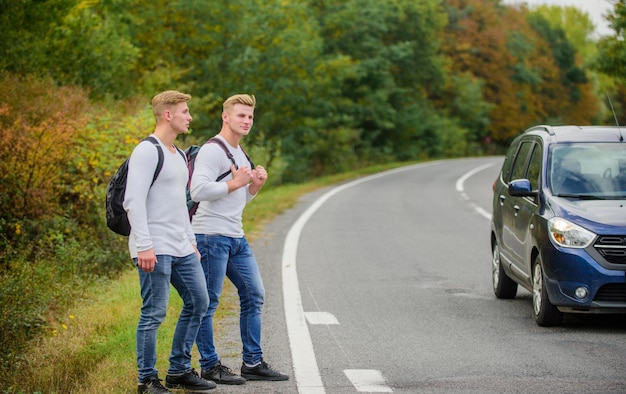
221	374
262	371
190	381
152	386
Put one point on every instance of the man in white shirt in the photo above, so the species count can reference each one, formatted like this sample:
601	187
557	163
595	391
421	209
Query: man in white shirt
225	252
163	246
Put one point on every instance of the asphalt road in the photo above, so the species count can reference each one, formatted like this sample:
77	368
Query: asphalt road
383	285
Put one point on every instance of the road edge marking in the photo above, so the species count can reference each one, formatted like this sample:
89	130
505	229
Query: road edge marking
306	371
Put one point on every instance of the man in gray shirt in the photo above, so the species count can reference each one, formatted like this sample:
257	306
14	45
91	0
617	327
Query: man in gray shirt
223	246
163	246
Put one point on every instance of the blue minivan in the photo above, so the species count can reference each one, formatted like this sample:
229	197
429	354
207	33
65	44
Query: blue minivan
558	224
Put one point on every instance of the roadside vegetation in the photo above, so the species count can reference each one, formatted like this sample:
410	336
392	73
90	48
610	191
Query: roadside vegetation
343	87
90	347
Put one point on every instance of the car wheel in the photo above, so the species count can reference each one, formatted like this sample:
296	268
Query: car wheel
503	286
546	314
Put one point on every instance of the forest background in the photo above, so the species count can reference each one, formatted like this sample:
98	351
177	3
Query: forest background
340	85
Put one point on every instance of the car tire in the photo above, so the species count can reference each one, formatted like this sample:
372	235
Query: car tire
503	286
546	314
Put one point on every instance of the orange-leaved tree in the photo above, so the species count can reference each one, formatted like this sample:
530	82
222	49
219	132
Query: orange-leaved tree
38	126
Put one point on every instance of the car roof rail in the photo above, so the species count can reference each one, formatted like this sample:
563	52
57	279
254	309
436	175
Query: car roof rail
548	129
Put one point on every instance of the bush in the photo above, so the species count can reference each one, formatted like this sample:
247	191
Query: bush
55	162
37	131
42	278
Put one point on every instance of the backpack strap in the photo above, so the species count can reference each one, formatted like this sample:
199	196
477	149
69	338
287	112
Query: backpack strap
218	141
247	157
182	154
159	166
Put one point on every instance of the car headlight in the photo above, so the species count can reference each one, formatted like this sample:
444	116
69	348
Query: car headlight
567	234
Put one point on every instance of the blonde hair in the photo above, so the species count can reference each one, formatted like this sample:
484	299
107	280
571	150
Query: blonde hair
245	99
163	100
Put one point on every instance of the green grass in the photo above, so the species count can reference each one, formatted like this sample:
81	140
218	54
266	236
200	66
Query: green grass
93	349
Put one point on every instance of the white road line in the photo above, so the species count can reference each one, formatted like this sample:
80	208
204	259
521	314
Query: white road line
368	381
306	371
461	189
482	212
463	178
321	318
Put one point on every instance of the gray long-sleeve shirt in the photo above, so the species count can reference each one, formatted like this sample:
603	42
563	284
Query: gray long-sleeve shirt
158	215
219	212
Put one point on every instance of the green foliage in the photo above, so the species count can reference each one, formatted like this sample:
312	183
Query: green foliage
576	25
393	47
431	136
611	57
313	152
564	55
44	271
75	42
55	163
314	66
340	85
92	49
25	26
465	102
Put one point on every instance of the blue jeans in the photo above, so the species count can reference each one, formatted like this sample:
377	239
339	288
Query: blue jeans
185	274
233	258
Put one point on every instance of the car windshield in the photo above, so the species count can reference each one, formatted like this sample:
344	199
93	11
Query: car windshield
591	170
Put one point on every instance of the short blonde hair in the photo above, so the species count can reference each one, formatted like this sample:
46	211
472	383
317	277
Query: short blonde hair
163	100
245	99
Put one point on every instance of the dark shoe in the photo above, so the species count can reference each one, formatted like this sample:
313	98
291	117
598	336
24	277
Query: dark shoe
263	371
152	386
221	374
190	381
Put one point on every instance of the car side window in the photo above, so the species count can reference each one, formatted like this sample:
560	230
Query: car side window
518	171
508	162
534	167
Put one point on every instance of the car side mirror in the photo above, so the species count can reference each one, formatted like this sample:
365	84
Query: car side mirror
521	188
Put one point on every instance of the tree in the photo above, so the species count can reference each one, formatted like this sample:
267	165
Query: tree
576	103
25	26
82	43
395	65
611	58
575	23
91	48
529	69
476	43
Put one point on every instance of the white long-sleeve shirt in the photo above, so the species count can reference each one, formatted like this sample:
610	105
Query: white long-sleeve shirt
158	215
219	212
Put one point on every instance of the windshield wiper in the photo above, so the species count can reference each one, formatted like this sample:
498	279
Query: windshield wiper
582	196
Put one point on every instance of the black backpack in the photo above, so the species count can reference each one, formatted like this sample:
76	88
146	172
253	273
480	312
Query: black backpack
191	153
116	217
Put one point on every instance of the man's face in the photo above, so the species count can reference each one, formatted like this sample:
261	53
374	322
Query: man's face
180	117
239	119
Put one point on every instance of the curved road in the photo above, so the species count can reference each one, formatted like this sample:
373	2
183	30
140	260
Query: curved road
383	285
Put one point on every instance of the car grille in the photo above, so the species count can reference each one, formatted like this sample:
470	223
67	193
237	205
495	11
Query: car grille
612	292
612	248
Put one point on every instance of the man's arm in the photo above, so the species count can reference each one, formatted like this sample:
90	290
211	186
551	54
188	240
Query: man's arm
207	168
142	164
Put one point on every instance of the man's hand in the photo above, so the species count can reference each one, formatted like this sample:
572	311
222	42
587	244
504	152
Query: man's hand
259	177
146	260
241	178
